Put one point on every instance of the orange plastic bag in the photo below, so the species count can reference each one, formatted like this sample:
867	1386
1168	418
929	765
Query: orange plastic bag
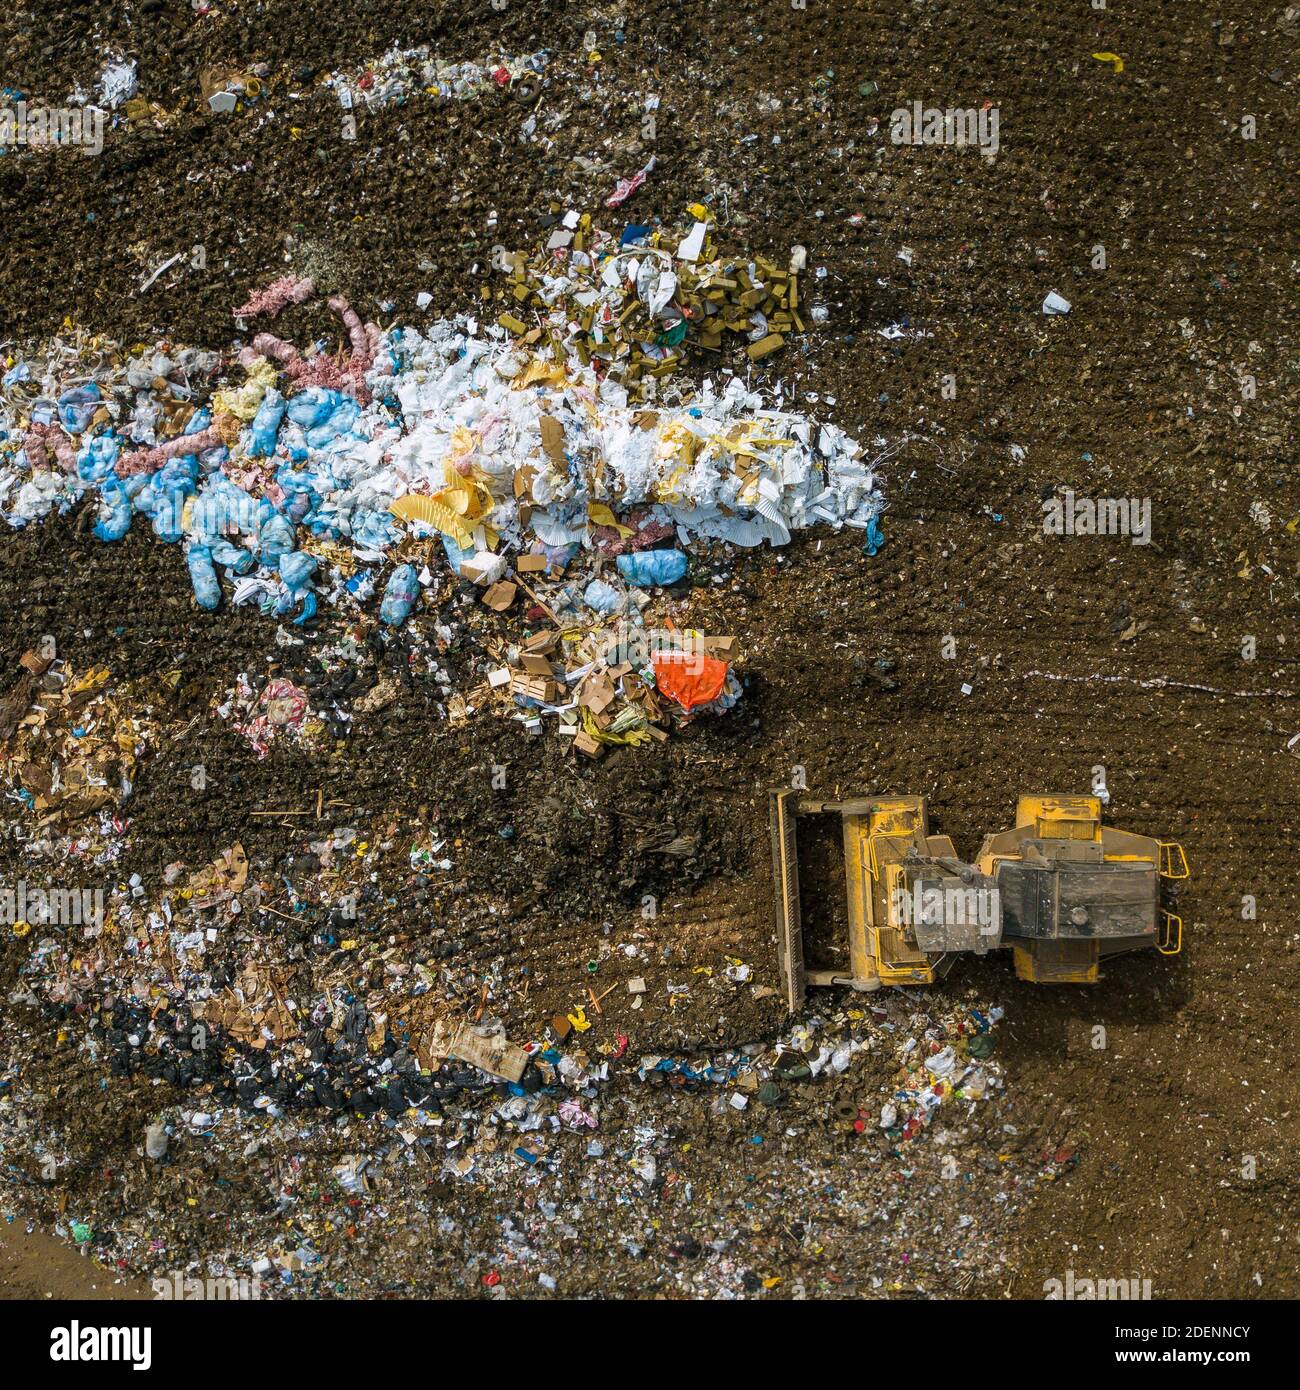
690	681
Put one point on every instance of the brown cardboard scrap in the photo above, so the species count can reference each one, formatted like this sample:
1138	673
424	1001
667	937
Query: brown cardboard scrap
597	692
553	439
494	1053
501	595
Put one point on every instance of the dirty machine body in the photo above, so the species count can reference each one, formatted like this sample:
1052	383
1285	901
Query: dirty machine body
1059	890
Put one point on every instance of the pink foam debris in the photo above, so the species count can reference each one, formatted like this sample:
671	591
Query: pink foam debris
35	443
364	340
146	460
279	294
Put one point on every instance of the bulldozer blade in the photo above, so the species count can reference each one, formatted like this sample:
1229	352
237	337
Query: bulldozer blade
785	881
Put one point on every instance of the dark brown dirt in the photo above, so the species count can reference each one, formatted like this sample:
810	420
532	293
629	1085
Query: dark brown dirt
1135	393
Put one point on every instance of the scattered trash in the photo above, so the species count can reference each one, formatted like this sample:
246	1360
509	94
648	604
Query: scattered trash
118	81
632	307
626	187
407	74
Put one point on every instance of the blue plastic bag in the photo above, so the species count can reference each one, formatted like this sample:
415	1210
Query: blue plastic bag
207	589
400	593
181	472
118	522
297	568
95	462
76	406
275	538
266	425
221	504
875	538
313	406
233	556
648	567
167	511
323	415
373	530
604	598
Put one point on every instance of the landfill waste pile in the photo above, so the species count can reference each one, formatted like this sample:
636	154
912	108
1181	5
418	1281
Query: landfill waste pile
521	483
330	1087
332	1055
413	455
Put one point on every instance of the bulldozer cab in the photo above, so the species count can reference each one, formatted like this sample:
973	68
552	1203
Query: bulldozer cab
1074	892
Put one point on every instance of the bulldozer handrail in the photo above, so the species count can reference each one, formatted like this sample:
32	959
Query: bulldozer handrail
1170	941
873	864
1173	862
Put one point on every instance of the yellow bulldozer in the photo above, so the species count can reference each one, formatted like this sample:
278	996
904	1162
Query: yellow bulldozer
1059	889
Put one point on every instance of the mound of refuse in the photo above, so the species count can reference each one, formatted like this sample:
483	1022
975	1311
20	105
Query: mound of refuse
287	478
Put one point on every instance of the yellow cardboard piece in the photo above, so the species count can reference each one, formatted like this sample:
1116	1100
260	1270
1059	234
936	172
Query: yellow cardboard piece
598	514
539	372
413	507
